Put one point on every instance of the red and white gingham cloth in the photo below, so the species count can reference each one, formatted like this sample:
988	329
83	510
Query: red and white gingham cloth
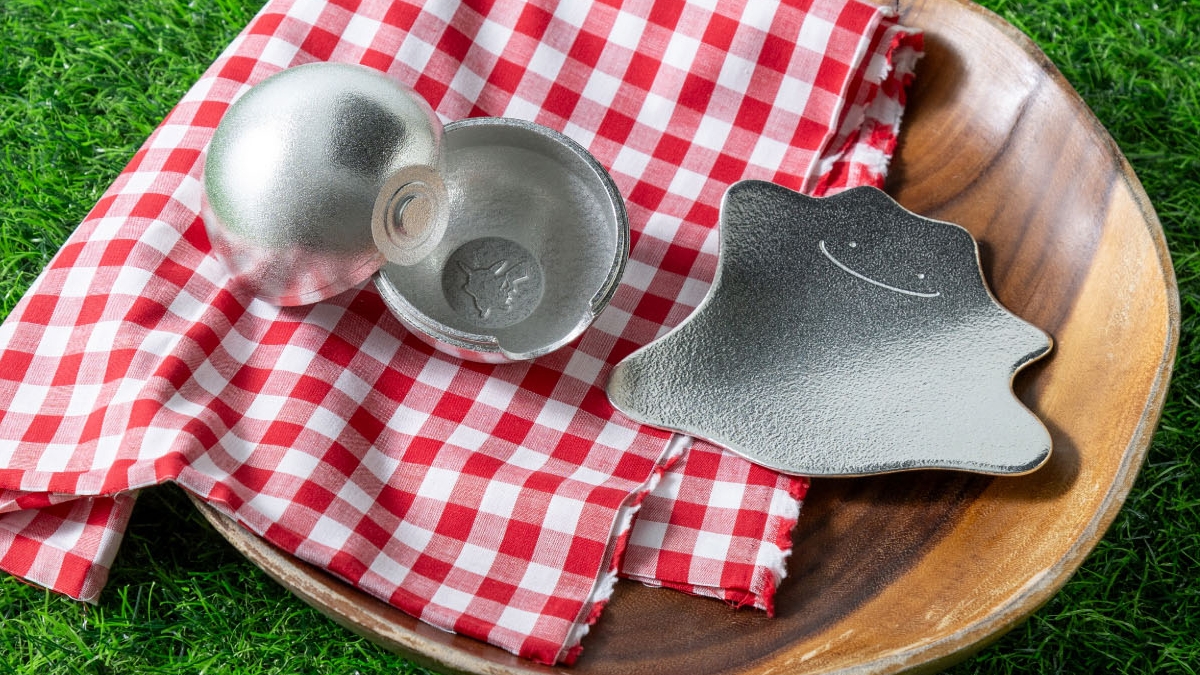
494	501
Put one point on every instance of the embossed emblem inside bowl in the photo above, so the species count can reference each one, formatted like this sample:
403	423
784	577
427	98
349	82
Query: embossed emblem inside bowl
536	242
492	282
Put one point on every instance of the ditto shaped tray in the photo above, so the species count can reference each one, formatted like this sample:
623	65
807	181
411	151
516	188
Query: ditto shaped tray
843	336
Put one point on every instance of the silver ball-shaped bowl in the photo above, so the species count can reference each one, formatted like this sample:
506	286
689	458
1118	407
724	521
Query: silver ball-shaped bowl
536	244
317	176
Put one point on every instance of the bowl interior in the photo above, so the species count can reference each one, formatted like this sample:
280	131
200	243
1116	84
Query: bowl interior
535	244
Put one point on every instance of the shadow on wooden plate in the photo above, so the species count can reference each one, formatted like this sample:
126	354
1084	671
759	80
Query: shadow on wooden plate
915	571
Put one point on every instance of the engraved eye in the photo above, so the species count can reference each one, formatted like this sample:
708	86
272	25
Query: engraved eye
854	244
920	275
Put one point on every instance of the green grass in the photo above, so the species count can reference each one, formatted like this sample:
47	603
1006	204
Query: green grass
82	86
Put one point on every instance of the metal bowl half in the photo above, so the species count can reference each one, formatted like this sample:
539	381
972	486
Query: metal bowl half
536	243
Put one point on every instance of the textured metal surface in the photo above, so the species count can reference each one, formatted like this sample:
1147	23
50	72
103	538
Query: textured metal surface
843	336
301	165
537	241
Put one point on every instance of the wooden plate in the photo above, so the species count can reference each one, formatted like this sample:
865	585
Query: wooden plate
916	571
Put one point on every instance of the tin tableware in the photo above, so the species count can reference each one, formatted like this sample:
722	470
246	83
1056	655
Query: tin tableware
537	241
843	336
318	175
503	239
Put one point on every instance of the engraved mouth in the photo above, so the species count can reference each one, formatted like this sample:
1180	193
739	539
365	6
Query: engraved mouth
859	275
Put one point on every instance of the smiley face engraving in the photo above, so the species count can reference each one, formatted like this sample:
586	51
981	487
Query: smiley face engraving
851	271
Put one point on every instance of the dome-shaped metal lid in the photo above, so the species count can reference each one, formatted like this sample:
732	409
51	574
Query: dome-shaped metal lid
317	176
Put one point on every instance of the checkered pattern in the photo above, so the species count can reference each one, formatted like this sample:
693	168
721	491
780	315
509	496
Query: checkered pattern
494	501
697	533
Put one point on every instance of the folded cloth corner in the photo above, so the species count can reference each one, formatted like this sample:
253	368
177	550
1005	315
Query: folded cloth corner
499	502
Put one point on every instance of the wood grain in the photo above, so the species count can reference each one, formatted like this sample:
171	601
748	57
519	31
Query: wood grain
912	572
